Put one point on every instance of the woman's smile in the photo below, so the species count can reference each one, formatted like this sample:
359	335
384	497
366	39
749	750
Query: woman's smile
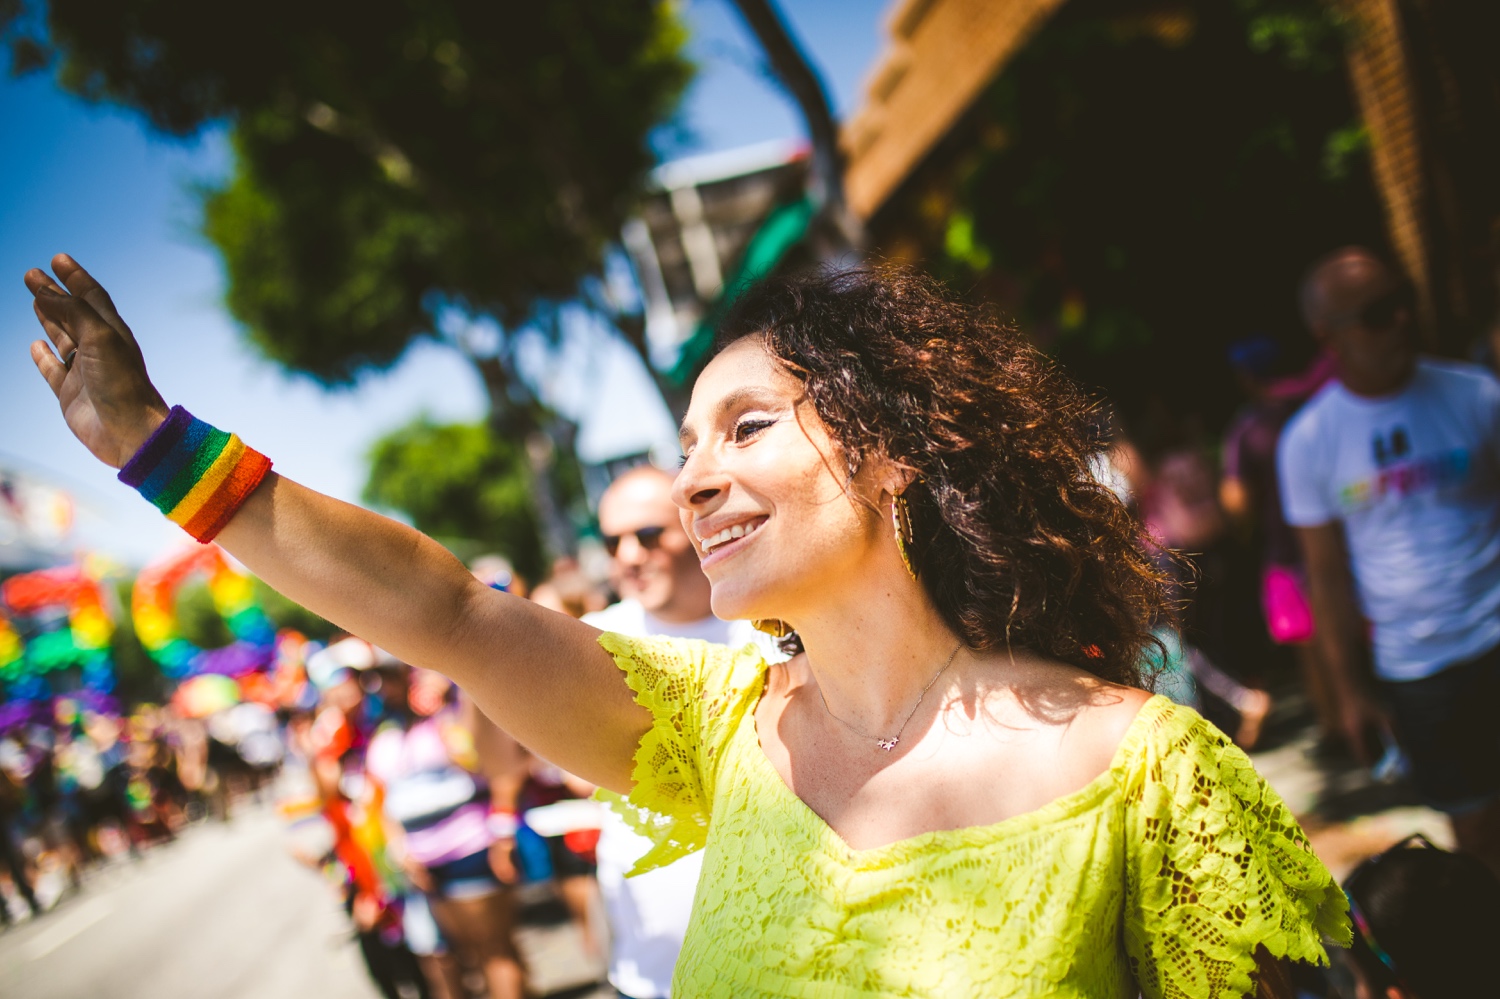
725	541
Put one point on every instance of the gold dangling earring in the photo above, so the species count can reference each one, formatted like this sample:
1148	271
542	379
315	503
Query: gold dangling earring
772	627
901	518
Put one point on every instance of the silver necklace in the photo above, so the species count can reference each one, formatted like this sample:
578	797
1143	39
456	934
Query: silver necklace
889	742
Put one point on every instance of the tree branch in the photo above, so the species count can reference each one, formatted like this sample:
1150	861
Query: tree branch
797	74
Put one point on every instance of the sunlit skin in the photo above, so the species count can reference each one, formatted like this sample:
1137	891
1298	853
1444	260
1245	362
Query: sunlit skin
665	580
824	558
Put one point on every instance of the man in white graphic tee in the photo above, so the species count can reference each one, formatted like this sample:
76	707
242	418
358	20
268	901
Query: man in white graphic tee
655	570
1391	476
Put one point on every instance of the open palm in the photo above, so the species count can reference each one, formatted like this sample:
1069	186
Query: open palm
97	373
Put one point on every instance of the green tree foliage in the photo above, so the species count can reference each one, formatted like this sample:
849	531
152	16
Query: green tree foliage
394	161
463	485
137	676
1144	183
389	156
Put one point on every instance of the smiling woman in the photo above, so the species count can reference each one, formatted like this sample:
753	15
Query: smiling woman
957	786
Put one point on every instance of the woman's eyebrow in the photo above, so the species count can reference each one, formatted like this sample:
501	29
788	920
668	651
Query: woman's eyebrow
734	400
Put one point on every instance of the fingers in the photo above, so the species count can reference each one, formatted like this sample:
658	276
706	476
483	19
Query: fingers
82	284
47	363
37	280
59	336
56	314
70	315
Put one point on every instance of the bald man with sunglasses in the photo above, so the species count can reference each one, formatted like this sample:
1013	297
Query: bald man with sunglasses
1391	476
654	568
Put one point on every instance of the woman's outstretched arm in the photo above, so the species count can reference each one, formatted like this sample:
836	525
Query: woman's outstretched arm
538	674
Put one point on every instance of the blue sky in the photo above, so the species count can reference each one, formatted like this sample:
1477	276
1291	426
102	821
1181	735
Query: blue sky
95	183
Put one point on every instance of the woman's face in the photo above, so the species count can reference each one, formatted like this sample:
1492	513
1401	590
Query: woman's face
762	492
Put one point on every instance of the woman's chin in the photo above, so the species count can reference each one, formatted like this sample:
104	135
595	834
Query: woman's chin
732	603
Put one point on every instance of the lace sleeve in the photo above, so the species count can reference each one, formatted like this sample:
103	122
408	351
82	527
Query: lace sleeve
1216	867
696	692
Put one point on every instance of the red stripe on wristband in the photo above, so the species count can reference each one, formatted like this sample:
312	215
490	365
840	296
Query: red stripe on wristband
226	501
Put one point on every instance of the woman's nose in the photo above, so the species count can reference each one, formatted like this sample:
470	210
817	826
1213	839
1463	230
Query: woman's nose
698	484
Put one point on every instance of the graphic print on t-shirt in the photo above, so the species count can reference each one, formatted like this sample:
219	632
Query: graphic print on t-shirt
1391	446
1398	479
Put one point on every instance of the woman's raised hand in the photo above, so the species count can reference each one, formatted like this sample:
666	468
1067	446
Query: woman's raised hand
98	373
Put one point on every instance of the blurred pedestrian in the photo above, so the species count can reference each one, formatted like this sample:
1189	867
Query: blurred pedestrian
654	567
1179	505
1425	922
351	804
1391	475
12	802
566	858
1250	495
424	757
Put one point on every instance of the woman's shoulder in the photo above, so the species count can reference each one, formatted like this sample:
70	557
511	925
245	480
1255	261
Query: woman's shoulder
1102	735
1064	726
1093	716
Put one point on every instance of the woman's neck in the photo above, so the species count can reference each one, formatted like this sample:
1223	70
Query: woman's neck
872	647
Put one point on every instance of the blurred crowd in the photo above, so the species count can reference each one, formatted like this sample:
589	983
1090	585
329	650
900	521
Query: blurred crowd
82	786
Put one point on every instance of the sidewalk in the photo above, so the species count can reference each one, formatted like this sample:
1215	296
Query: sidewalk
1347	815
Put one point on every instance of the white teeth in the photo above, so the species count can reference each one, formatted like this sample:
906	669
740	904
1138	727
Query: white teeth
730	534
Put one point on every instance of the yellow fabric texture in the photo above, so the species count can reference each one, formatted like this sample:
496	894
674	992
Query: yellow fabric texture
1161	876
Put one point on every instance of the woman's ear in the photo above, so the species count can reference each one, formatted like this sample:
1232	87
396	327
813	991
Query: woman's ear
894	476
876	477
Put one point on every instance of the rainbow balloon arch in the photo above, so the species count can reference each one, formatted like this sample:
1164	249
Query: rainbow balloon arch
154	609
56	627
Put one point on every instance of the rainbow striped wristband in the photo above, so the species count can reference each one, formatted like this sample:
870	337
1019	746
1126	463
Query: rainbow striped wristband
198	476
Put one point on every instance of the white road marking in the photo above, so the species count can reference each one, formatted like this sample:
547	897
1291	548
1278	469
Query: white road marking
69	927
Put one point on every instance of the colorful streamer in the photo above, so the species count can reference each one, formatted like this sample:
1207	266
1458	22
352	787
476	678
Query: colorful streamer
154	607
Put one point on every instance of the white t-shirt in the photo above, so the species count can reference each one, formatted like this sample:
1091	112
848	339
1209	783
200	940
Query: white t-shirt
648	914
1415	479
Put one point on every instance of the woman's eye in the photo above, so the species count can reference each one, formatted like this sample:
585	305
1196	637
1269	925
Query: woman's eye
746	429
681	460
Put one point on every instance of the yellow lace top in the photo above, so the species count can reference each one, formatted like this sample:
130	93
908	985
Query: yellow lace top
1161	875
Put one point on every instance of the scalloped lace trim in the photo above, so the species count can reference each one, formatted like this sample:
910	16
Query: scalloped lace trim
669	804
1231	867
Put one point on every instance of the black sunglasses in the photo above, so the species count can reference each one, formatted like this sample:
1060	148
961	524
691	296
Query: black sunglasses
648	538
1381	313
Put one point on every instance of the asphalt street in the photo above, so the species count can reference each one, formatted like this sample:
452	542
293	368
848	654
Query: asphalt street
224	912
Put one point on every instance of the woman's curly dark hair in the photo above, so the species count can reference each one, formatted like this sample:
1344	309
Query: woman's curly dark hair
1016	541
